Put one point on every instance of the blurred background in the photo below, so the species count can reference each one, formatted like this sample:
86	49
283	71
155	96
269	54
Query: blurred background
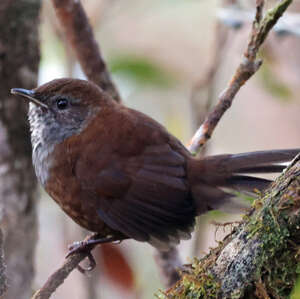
170	59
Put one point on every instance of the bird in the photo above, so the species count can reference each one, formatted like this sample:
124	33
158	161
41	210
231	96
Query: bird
118	172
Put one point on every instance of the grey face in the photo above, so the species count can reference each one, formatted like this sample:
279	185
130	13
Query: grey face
52	119
62	118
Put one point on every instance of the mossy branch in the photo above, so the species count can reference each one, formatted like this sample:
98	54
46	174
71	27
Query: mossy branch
260	258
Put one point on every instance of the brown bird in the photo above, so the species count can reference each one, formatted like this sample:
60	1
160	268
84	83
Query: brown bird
118	172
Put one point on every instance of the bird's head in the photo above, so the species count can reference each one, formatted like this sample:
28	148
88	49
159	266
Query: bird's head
62	108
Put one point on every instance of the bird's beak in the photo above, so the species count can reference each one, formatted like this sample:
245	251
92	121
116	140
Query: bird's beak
29	94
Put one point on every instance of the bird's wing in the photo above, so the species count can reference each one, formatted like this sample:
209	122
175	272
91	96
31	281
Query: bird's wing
143	193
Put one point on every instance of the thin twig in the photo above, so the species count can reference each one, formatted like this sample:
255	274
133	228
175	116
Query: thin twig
245	70
58	277
207	80
80	34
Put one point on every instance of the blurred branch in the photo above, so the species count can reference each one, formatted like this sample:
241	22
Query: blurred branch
249	65
80	34
260	258
201	101
169	264
207	80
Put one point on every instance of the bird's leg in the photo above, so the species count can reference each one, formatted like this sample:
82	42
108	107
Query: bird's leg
87	245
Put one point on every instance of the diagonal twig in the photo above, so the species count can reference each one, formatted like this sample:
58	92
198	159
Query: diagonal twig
249	65
58	277
80	34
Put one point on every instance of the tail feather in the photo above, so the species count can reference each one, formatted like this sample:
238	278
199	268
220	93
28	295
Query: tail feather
264	157
273	168
213	173
247	183
237	162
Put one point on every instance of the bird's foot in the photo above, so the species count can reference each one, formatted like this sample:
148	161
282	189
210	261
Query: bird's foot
86	246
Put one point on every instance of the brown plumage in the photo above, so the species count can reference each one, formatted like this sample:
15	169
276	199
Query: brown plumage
115	170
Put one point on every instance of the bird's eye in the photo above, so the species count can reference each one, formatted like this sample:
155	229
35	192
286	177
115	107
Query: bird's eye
62	103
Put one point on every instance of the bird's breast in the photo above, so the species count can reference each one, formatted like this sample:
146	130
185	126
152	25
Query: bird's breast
42	159
64	187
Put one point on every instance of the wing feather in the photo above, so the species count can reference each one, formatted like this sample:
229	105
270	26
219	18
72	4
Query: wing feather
155	205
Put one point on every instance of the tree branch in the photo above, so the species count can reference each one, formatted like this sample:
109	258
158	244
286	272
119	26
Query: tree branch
259	258
80	35
58	277
19	63
248	66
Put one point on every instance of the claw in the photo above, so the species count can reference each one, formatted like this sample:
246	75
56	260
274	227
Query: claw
81	246
76	247
91	267
75	244
86	246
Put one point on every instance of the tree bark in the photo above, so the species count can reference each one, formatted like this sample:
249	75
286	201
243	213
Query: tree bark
19	60
260	258
3	279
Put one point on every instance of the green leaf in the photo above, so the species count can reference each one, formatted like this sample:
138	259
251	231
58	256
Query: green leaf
141	69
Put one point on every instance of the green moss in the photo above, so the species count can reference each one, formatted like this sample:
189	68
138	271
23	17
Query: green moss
202	286
196	285
205	287
272	225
